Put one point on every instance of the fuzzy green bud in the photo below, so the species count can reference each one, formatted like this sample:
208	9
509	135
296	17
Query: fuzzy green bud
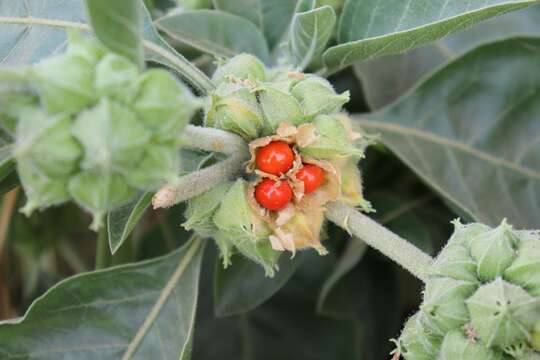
317	96
332	140
241	67
457	346
164	105
444	306
463	234
455	262
494	251
525	270
235	109
158	164
278	107
502	313
116	76
416	342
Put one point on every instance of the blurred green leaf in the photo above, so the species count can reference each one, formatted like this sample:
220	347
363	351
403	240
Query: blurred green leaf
248	9
216	32
373	28
36	29
130	311
309	35
385	79
243	286
471	132
122	221
6	161
117	24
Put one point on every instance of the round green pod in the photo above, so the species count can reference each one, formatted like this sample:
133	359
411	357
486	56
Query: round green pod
416	342
503	314
46	141
242	67
201	209
525	270
316	96
455	261
237	111
116	76
463	234
112	137
456	346
332	142
494	251
164	105
278	107
159	164
99	191
444	306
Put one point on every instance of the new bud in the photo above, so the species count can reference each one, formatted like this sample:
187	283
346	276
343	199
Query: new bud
317	96
278	107
456	346
240	67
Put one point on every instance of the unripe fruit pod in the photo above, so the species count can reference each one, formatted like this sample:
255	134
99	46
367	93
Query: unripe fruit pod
416	342
525	270
455	262
164	105
116	76
464	234
202	208
46	155
443	308
317	96
503	314
351	185
235	109
332	142
458	347
242	67
278	107
494	251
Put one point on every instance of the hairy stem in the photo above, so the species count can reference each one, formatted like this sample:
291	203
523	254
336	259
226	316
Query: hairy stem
103	255
196	183
377	236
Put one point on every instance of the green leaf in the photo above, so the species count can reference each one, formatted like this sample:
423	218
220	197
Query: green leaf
375	28
471	132
243	286
36	29
215	32
141	311
248	9
310	32
386	78
117	24
122	221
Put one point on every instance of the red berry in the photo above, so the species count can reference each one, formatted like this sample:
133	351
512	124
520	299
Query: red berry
275	158
273	195
312	176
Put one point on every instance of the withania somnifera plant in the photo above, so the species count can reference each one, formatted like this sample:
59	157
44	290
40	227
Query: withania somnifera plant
482	298
90	126
303	155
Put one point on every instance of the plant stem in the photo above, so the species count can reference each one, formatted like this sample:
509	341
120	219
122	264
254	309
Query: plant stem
391	245
198	182
8	205
103	255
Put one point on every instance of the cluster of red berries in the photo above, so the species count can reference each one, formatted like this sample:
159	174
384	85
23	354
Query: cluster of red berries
277	158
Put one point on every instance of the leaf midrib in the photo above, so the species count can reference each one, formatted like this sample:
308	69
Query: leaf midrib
499	162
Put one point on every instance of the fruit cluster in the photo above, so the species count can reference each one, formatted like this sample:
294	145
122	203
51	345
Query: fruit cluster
304	154
90	126
482	298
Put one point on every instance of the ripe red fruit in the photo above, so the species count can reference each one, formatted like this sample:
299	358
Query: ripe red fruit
312	176
273	195
275	158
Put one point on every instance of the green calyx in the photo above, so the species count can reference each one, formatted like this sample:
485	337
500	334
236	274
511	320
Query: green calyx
90	126
253	101
481	300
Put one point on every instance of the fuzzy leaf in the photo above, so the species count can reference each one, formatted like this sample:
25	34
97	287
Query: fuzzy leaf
136	311
117	24
471	133
373	28
215	32
310	32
